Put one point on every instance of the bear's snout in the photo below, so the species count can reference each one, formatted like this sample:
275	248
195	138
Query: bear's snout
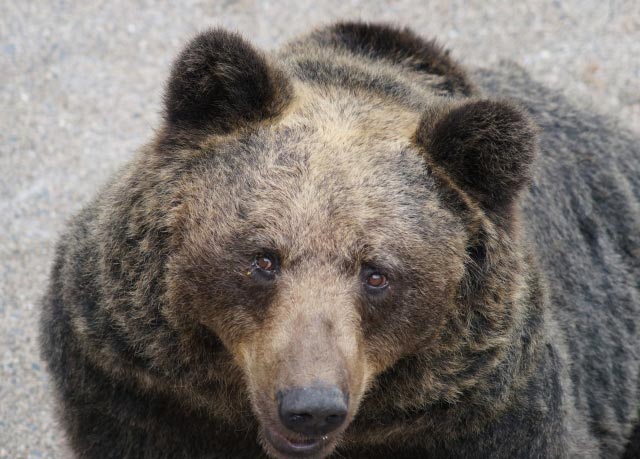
314	411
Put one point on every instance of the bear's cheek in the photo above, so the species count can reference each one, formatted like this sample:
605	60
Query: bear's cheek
204	289
413	316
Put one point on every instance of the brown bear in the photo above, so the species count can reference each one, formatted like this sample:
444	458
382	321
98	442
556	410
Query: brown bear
352	247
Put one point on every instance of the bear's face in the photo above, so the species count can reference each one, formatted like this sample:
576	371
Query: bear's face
318	257
312	239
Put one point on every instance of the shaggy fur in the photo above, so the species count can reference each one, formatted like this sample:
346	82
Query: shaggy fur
464	142
219	82
512	254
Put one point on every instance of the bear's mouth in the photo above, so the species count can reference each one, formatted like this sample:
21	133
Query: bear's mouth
298	447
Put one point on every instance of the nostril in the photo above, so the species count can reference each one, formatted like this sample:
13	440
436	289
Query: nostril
312	411
335	419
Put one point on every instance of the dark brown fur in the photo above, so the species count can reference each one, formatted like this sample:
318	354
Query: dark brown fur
219	82
360	148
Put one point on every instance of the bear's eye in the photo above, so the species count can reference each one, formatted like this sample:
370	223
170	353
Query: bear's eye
375	280
264	262
265	265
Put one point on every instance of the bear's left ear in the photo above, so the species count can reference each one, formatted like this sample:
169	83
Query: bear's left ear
485	146
221	82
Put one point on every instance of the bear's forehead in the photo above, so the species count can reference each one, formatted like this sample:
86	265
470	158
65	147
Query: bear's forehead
339	160
336	173
349	116
343	137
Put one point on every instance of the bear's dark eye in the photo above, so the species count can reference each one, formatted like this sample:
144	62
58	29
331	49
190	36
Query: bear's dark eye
265	265
377	280
374	280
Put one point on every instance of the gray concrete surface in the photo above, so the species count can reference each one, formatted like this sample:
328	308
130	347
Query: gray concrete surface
80	90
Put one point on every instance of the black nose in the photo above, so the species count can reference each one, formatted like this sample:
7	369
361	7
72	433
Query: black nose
313	411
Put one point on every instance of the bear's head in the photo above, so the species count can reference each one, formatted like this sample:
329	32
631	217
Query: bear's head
332	238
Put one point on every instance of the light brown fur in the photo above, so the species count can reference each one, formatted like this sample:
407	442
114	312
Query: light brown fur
358	149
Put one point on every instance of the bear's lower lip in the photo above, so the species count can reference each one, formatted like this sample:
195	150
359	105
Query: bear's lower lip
294	447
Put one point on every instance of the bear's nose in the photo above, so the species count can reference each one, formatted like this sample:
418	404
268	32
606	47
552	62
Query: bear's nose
312	411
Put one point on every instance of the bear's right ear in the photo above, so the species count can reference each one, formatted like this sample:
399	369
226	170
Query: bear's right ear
485	146
220	82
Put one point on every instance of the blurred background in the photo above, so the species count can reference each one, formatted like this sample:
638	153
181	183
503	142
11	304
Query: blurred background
80	91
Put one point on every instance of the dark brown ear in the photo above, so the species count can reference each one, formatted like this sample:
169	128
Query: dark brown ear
485	146
220	82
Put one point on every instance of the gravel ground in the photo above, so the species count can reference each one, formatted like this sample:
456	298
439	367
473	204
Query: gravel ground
80	90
